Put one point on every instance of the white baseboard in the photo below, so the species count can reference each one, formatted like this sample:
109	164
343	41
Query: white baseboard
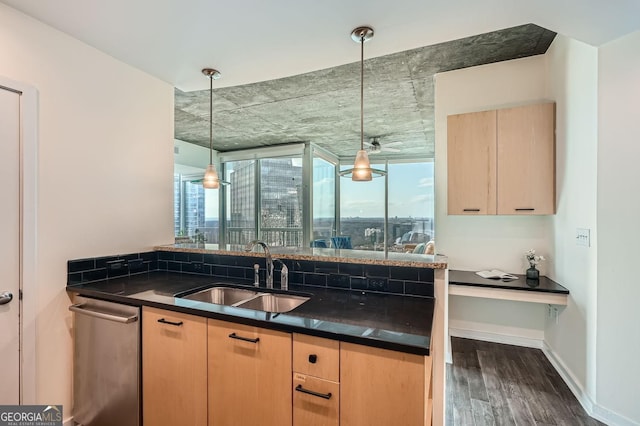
594	410
610	418
496	338
565	373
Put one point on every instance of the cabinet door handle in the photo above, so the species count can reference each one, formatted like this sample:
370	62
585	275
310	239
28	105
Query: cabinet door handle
164	321
313	358
299	388
245	339
470	210
525	210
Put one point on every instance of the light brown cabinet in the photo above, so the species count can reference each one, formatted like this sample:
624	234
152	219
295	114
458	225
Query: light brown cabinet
471	153
383	387
198	371
249	375
174	368
502	161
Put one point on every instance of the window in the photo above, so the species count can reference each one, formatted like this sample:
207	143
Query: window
324	201
362	211
281	201
273	184
195	210
241	201
266	200
411	209
401	222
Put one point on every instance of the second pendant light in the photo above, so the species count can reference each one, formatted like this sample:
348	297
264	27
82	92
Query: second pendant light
362	171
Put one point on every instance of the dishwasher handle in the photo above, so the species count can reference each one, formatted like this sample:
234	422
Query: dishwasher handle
81	309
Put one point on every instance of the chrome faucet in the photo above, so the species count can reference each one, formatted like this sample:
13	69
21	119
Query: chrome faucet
267	256
284	275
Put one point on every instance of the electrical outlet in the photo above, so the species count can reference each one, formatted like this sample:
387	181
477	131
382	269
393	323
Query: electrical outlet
583	237
116	265
377	284
552	313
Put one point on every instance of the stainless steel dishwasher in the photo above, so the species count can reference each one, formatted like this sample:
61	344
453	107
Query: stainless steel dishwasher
106	370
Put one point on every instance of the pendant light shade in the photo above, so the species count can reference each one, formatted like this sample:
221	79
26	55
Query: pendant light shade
211	180
362	171
361	167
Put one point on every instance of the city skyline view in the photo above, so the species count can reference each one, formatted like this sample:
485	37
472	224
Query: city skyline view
362	214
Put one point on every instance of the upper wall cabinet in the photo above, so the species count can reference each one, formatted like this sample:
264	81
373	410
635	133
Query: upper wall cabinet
502	161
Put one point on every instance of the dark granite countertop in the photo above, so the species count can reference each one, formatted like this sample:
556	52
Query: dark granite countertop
544	284
401	323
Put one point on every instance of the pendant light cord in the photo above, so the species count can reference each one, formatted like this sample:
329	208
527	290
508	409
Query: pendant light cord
362	92
211	119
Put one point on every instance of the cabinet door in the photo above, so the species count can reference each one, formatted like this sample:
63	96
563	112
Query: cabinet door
249	375
382	387
526	160
471	163
316	402
174	368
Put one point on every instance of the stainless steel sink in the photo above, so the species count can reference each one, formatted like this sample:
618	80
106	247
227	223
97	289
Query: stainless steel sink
272	302
248	299
221	295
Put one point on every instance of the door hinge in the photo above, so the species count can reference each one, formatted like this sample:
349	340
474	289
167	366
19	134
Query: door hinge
20	294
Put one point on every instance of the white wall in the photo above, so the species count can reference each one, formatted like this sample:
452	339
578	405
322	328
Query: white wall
104	173
480	242
618	322
573	83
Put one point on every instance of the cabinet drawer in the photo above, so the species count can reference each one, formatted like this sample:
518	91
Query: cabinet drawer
315	356
316	402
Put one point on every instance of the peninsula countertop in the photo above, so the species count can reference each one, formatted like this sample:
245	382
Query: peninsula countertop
401	323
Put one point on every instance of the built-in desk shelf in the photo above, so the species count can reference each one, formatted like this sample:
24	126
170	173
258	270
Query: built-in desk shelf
465	283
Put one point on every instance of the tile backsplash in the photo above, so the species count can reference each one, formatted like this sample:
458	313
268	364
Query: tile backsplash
349	276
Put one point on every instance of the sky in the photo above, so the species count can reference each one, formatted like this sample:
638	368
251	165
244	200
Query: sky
411	193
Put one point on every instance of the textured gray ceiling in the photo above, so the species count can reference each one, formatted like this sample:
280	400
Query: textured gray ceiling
324	106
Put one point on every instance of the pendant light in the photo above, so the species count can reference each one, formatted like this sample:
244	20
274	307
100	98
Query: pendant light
362	171
211	179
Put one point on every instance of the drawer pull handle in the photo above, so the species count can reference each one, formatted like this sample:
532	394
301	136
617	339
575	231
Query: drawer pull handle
525	210
313	358
164	321
299	388
244	339
470	210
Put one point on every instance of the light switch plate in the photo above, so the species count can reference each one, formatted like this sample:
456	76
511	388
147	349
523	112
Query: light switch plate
583	237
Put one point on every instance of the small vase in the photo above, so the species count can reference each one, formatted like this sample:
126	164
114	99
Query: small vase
533	273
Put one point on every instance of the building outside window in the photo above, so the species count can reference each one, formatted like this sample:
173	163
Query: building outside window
241	201
281	201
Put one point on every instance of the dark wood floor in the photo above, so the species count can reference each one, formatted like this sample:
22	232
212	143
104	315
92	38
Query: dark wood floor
495	384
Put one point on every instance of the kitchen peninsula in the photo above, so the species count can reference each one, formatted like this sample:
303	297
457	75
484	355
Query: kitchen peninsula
373	313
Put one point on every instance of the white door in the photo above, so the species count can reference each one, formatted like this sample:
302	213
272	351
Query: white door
9	247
